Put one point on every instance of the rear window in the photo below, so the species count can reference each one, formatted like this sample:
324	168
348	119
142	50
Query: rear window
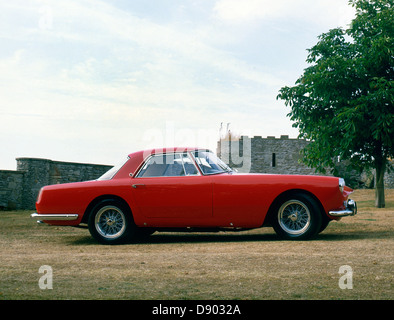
111	172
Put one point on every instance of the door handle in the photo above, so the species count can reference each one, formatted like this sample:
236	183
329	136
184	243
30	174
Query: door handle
135	186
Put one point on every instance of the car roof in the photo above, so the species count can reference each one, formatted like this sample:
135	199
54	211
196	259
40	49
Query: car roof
136	159
149	152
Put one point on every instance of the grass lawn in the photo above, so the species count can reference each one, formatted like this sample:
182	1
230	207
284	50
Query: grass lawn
245	265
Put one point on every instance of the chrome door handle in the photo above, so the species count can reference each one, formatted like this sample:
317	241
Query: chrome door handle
135	186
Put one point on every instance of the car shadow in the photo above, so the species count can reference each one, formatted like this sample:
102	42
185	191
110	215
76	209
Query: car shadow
168	238
356	235
226	237
207	237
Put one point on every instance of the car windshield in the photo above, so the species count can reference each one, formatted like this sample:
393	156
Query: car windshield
209	163
111	172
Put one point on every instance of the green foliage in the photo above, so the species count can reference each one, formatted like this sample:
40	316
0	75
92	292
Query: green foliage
343	102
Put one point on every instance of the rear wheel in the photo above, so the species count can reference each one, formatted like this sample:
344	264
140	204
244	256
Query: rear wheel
298	217
110	222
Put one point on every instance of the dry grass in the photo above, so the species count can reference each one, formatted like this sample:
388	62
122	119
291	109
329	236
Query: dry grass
247	265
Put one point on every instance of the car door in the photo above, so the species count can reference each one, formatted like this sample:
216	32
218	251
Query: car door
239	200
169	187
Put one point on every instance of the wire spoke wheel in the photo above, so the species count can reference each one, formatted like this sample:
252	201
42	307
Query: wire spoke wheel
110	222
294	217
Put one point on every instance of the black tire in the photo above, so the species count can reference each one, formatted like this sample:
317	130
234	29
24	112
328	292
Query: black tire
298	217
110	222
324	224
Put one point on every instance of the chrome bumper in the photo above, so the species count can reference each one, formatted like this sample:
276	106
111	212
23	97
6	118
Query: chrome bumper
54	217
351	210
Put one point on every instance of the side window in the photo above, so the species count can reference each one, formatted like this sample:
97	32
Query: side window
168	165
189	166
152	168
174	167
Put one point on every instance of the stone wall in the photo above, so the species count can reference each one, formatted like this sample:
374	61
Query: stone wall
19	189
389	176
11	186
281	155
267	155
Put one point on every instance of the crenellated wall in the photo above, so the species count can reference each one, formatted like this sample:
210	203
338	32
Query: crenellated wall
267	155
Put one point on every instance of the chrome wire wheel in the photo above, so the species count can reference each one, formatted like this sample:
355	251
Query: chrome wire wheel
110	222
294	217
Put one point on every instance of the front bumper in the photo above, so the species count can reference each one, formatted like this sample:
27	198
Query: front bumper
350	210
54	217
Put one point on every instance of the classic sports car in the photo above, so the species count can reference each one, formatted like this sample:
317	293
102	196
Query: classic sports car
181	189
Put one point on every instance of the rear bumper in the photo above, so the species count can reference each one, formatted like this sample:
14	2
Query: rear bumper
350	210
54	217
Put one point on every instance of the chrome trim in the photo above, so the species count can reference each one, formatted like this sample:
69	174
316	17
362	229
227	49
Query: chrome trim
54	217
135	175
351	210
342	184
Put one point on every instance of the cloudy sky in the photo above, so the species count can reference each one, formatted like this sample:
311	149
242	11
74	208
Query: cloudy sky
93	80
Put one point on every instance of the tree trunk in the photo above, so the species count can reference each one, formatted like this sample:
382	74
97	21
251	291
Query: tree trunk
379	191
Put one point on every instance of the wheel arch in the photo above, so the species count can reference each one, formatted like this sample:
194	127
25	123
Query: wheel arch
286	195
99	199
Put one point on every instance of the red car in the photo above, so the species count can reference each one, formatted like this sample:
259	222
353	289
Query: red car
191	189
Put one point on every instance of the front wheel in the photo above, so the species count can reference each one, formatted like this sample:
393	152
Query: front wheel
111	223
297	218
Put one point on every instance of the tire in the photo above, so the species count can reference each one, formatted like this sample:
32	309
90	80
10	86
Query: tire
110	222
324	224
298	217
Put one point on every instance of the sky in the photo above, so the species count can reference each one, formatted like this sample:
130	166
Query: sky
94	80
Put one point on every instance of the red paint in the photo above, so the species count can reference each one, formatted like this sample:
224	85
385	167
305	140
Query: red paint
219	200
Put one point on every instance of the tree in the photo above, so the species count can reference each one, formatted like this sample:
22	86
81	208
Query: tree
343	103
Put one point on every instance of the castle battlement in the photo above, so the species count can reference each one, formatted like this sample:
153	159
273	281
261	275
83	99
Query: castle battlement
267	155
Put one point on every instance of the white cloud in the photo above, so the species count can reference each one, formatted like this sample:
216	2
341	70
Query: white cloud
332	12
247	10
